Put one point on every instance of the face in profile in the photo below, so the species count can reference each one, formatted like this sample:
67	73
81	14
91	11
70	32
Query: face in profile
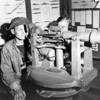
63	24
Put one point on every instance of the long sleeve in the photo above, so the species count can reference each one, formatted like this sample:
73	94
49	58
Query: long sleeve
8	74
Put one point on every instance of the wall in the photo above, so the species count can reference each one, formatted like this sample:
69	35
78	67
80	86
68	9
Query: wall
10	9
44	11
86	17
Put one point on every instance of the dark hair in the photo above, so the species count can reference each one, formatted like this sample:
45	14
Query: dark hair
53	23
61	18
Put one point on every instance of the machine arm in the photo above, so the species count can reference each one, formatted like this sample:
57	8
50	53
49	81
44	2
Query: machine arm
92	37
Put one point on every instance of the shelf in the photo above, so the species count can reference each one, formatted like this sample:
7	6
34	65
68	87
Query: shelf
80	9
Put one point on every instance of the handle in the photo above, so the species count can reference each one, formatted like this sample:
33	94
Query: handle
45	93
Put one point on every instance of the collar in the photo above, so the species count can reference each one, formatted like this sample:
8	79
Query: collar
15	47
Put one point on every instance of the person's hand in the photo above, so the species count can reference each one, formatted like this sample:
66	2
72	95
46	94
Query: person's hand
17	91
58	34
19	95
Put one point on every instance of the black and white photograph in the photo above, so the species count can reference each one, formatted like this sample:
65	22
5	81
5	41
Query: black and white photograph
49	49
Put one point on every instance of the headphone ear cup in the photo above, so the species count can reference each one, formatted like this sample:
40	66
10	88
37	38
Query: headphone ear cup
25	28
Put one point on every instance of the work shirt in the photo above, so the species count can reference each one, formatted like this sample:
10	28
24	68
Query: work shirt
11	63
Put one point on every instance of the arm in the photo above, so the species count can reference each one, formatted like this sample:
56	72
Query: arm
9	76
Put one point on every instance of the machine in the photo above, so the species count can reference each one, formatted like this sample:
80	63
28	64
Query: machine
64	71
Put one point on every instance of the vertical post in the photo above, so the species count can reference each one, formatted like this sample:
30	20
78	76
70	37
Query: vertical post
69	8
35	55
65	7
76	59
88	61
28	9
61	7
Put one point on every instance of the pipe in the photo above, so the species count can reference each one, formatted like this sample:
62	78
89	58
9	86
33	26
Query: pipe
92	37
83	36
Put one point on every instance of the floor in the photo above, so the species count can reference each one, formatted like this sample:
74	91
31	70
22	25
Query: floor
92	94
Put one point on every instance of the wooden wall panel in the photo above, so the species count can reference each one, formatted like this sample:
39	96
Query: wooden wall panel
10	9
